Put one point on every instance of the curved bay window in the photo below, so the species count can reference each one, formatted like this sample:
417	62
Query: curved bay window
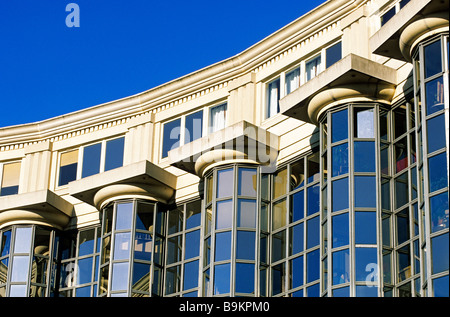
132	249
230	231
431	88
27	261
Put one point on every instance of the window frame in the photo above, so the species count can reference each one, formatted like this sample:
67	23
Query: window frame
2	164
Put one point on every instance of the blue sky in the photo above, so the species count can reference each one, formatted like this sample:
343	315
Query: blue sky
120	48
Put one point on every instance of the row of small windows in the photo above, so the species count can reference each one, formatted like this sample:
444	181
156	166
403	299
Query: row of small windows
393	11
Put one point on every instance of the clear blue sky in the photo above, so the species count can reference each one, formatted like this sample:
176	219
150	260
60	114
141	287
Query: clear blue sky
121	47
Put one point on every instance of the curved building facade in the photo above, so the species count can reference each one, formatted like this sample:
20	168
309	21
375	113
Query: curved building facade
313	164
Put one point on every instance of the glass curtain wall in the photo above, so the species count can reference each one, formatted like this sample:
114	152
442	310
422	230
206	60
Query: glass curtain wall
132	242
27	261
431	89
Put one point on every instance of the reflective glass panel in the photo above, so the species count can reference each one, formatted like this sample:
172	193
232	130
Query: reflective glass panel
440	254
175	220
296	268
278	246
222	279
313	266
173	279
333	54
224	213
313	167
296	237
434	95
84	271
341	292
433	62
366	268
91	160
278	278
144	216
246	213
192	244
440	286
403	263
121	246
124	216
119	277
171	136
114	153
437	177
402	226
10	179
339	194
141	277
366	291
365	227
279	214
68	167
245	278
313	199
6	243
280	183
339	128
86	242
245	245
339	162
18	291
247	182
401	155
22	240
364	156
439	212
193	214
340	230
190	276
312	232
224	183
174	249
341	267
297	206
363	121
365	191
143	246
401	190
193	126
399	121
436	133
223	246
20	266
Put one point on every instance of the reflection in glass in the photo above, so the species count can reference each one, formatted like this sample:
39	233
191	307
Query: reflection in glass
193	214
364	156
175	221
20	266
341	292
91	160
341	267
86	242
339	194
313	167
84	274
278	246
340	230
296	238
313	199
403	263
171	136
124	216
278	278
114	153
399	121
245	278
190	276
279	214
312	232
192	244
432	58
296	269
402	226
143	246
297	211
279	183
439	212
247	182
366	291
339	127
68	167
121	246
224	214
440	286
312	266
365	227
173	279
436	133
246	213
193	126
434	95
401	190
22	243
366	264
440	253
223	246
363	121
224	181
339	162
245	245
144	217
365	191
222	279
401	155
6	243
141	277
436	165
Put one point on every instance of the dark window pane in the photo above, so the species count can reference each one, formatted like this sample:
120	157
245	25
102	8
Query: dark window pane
385	194
339	194
144	217
174	249
365	227
436	133
192	244
114	154
68	167
312	237
439	249
339	121
401	155
363	123
278	278
84	271
404	263
86	243
278	246
387	16
297	211
296	266
399	121
143	246
433	62
437	171
439	212
401	190
434	94
245	278
223	246
384	160
366	264
313	167
171	136
245	245
403	226
193	126
296	239
440	286
333	54
365	191
6	243
224	183
313	266
384	126
364	156
340	230
313	199
247	182
141	277
339	163
341	267
190	276
173	279
193	214
222	279
91	160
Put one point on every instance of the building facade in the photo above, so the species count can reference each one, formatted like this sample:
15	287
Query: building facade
313	164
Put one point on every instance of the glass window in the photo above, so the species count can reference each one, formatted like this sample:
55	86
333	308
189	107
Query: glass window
279	213
433	61
436	133
122	246
245	278
365	191
245	245
341	292
297	211
401	190
22	240
192	244
437	178
402	226
247	182
84	271
246	213
224	183
143	246
298	174
364	156
313	67
144	216
339	127
280	183
366	291
193	126
193	214
296	238
190	276
366	268
91	160
278	278
340	230
224	214
141	277
10	179
339	162
217	118
296	268
86	242
114	153
174	249
341	267
119	278
124	216
313	266
313	167
312	232
387	16
440	286
434	95
439	212
313	199
401	155
363	121
292	80
6	243
333	54
278	246
365	227
399	121
20	266
171	136
223	246
440	248
222	279
340	194
68	167
273	97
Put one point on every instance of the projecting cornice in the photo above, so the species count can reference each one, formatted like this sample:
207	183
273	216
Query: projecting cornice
175	92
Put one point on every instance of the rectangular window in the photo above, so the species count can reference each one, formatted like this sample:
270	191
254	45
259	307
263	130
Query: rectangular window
193	126
171	136
313	67
333	54
273	97
10	179
292	80
217	117
68	167
114	153
91	160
